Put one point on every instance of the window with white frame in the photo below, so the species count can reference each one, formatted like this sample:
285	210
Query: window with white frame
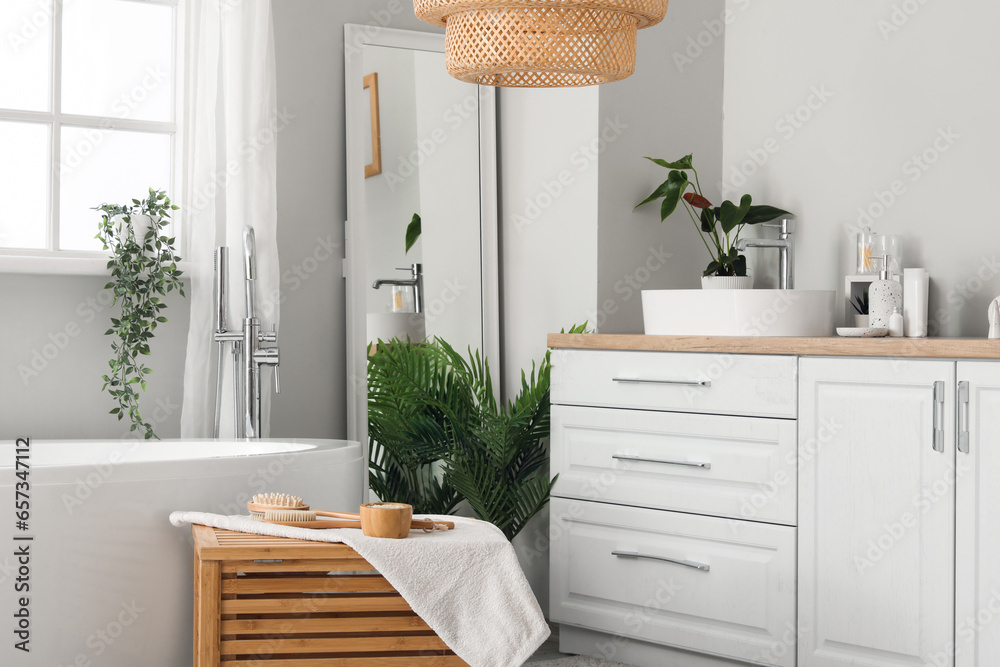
87	116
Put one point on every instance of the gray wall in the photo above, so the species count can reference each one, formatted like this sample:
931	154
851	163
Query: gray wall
670	107
897	132
53	352
312	206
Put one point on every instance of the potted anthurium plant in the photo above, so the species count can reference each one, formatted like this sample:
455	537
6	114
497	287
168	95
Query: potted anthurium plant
719	226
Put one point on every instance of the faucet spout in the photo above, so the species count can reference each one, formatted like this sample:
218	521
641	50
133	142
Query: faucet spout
786	266
416	282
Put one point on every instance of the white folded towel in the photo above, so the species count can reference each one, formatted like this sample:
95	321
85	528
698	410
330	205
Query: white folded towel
995	319
465	583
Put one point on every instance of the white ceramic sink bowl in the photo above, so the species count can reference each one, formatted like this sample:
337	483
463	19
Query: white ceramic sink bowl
763	312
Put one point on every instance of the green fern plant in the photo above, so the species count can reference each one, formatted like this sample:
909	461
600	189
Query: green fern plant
409	402
439	436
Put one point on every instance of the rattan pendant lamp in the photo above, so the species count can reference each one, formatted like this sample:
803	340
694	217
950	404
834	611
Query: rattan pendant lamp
540	43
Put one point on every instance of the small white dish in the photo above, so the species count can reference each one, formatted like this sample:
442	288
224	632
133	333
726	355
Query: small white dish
862	332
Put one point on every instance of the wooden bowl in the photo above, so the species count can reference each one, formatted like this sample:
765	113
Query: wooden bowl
391	520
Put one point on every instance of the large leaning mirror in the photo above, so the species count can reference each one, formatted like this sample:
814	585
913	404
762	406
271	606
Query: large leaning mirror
421	203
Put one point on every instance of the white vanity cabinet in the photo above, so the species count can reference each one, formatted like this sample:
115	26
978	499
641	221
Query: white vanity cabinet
899	508
977	579
876	511
673	519
814	509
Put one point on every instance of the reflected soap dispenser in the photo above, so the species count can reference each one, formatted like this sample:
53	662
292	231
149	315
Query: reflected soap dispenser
884	296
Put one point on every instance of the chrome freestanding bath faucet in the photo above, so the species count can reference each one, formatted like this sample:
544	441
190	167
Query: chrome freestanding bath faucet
248	353
786	265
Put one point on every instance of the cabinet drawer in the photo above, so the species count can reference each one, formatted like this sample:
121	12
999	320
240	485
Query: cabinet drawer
701	583
739	467
752	385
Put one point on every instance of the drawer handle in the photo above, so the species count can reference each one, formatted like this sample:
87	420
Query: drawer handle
963	417
676	383
687	464
686	563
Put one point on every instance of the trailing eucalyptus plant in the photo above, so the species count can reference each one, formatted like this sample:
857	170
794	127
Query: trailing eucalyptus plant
439	436
143	268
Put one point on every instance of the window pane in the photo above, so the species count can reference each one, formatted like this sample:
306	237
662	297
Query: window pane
117	59
101	166
26	54
24	184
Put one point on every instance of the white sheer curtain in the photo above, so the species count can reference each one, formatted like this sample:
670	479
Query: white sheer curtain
231	123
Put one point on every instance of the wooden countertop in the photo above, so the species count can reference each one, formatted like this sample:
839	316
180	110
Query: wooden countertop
940	348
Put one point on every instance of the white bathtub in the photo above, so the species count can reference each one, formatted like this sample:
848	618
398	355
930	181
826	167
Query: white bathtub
110	578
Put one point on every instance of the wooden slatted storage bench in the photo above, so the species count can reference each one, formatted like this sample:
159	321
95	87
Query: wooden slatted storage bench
274	602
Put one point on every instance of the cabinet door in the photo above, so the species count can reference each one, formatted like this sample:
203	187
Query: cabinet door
876	512
977	595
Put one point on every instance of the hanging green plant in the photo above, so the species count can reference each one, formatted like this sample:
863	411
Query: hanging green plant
143	268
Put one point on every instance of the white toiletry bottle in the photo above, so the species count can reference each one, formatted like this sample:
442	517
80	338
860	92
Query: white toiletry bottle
884	296
896	323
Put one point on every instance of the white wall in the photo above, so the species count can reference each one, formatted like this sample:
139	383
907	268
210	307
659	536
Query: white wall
390	202
549	245
548	218
863	114
670	107
312	206
53	352
448	135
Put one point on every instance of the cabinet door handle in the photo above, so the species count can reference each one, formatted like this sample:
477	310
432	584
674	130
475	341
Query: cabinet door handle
689	464
963	417
676	383
686	563
939	416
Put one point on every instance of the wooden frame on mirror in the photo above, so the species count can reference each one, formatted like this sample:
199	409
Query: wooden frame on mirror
375	167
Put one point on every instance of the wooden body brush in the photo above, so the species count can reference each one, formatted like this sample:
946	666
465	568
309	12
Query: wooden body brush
393	520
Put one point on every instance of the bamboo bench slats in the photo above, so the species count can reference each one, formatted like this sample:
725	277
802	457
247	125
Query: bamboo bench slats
371	624
307	584
273	602
343	645
310	605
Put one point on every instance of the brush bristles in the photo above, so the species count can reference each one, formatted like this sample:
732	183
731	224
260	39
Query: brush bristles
278	500
289	515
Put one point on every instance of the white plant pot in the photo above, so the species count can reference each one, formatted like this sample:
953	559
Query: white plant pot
861	321
140	225
727	282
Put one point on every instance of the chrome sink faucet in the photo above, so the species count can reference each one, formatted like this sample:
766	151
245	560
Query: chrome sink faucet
248	352
416	282
786	265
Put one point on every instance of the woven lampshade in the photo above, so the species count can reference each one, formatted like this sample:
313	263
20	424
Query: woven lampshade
540	43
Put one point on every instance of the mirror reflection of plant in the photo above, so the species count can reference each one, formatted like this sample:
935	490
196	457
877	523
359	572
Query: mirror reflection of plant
407	387
709	220
143	270
412	232
431	409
